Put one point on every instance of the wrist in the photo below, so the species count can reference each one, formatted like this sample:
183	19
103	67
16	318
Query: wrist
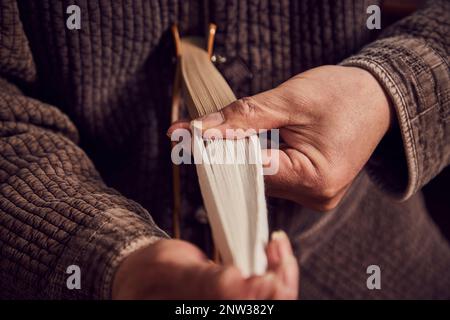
129	273
378	96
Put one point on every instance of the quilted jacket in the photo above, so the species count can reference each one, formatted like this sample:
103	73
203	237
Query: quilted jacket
85	171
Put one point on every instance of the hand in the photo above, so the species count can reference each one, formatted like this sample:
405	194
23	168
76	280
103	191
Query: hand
174	269
331	119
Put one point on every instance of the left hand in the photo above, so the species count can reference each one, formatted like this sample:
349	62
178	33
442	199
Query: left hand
175	269
331	119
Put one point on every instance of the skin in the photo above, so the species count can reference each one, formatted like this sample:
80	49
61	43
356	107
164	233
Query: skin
331	119
174	269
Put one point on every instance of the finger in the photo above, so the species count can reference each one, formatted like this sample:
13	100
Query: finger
227	283
269	286
224	282
288	173
287	270
273	256
283	265
261	287
264	111
180	124
282	172
289	277
282	245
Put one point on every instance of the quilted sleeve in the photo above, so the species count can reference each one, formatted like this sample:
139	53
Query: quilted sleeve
411	62
55	210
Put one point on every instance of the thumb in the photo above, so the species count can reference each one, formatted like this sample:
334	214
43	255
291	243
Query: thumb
246	116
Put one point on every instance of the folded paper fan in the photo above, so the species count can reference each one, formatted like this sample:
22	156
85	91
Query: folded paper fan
229	171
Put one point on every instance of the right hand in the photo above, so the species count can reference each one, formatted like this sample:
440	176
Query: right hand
174	269
331	119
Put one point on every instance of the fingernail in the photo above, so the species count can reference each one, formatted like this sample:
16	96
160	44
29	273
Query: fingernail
266	157
279	235
212	120
282	244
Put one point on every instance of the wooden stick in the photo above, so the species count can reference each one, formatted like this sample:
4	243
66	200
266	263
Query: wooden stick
175	114
211	36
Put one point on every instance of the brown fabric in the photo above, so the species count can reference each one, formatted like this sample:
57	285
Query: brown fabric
411	61
70	99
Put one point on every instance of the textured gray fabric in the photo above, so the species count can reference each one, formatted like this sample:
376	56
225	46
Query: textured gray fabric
70	99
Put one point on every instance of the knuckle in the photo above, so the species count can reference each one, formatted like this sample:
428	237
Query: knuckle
329	198
325	188
328	192
328	195
328	205
329	185
245	107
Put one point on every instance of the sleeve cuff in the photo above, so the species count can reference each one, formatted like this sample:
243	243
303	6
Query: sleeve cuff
404	67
